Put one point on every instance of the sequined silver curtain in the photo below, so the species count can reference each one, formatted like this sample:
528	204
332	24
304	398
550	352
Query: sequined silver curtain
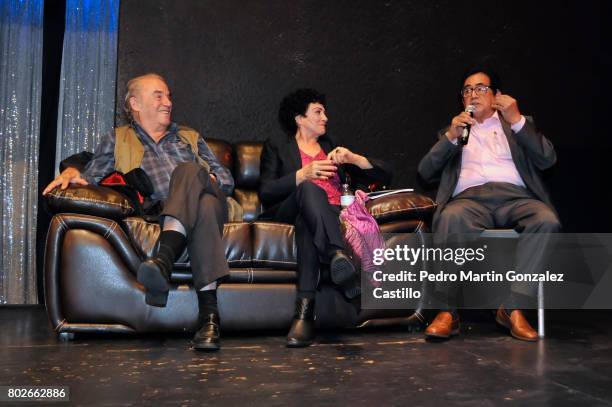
20	90
89	66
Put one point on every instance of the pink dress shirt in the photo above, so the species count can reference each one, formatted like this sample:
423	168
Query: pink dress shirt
487	157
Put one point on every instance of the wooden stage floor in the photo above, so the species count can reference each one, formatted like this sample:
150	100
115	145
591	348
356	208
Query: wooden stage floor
482	367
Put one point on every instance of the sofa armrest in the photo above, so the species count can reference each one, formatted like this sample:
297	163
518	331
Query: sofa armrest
90	200
401	206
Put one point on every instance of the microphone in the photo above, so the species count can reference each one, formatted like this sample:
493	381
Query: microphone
465	134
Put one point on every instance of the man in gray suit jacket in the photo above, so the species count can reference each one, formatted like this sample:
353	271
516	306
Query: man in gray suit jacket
492	181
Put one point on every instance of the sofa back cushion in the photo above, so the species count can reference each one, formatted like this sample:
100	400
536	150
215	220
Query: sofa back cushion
246	170
223	151
242	159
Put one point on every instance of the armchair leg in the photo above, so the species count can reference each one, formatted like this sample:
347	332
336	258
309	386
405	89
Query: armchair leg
541	330
65	336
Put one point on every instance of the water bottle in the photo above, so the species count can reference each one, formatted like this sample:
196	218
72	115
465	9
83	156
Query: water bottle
346	197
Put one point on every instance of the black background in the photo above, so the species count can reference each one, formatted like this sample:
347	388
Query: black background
391	72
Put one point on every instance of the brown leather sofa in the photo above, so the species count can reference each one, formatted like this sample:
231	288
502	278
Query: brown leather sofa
94	247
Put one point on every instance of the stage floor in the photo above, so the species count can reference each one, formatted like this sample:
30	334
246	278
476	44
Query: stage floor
482	367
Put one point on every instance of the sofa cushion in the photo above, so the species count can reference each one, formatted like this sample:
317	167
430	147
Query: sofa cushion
238	247
274	245
90	200
246	172
405	205
143	235
236	236
247	245
223	151
246	275
250	203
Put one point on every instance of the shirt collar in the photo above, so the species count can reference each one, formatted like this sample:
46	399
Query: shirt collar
493	120
144	136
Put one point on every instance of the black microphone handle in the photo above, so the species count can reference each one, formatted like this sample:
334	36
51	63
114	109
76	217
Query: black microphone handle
465	134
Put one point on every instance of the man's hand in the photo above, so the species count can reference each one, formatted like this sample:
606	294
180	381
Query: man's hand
319	169
342	155
457	125
508	107
69	176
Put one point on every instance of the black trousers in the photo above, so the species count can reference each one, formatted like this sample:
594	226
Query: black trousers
501	205
317	231
201	207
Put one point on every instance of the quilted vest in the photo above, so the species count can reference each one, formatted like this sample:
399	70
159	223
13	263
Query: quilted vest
129	151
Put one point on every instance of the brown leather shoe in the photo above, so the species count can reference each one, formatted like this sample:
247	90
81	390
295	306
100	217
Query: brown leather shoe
517	324
443	326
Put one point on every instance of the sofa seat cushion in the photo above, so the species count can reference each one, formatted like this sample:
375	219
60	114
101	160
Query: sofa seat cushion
274	245
248	275
267	245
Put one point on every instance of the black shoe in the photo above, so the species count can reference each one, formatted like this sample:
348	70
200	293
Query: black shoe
344	274
341	268
302	330
208	337
351	289
153	274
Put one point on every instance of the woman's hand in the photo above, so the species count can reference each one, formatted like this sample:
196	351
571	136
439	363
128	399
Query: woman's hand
68	176
342	155
319	169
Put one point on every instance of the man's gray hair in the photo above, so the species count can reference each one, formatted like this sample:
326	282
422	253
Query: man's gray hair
132	87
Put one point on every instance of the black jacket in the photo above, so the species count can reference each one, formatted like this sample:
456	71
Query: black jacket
281	159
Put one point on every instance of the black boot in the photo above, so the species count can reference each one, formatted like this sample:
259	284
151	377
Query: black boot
351	289
302	330
341	268
208	337
154	273
345	275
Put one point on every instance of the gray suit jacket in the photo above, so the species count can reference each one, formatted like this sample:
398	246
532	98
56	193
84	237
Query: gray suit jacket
531	153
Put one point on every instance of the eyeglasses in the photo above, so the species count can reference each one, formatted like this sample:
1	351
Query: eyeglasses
479	89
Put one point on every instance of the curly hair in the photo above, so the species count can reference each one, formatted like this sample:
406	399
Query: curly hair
294	104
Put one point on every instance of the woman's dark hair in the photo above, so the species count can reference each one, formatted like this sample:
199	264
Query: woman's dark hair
485	69
294	104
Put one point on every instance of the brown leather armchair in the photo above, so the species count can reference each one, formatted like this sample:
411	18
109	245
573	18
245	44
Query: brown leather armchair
94	247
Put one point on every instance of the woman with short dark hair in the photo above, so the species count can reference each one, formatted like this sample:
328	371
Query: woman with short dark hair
301	179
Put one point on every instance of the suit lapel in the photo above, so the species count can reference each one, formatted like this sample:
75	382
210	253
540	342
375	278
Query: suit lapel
327	145
294	154
511	141
294	151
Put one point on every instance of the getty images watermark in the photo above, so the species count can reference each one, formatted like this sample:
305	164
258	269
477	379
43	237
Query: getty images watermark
423	271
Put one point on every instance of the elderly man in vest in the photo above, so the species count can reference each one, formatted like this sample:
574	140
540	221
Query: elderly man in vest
190	184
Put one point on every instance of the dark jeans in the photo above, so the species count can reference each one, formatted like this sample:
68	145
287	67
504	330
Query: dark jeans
202	209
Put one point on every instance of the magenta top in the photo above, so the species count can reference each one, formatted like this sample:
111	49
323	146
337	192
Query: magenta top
331	186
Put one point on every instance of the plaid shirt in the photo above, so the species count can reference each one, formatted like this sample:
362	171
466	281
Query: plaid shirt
159	160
